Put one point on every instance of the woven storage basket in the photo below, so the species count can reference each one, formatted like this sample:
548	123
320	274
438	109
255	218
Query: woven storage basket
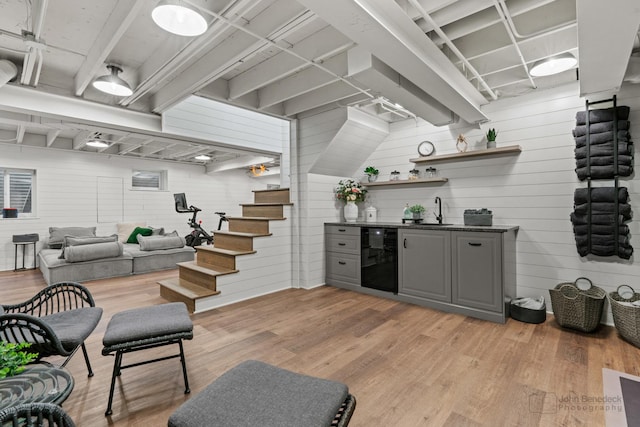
626	317
577	308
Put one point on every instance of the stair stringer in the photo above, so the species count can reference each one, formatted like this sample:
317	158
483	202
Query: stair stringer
266	271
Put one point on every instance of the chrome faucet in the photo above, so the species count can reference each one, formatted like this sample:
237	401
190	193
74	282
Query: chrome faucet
439	216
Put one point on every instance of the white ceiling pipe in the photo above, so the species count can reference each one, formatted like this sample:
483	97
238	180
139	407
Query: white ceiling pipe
453	48
498	6
8	71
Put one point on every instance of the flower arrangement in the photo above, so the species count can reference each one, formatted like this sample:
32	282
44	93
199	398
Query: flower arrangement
350	190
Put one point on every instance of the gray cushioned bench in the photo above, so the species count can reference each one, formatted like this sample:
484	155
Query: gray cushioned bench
144	328
258	394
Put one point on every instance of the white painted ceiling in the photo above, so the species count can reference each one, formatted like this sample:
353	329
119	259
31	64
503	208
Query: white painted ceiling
440	59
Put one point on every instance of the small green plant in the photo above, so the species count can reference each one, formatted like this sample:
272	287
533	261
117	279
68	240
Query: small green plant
419	209
491	134
13	359
370	170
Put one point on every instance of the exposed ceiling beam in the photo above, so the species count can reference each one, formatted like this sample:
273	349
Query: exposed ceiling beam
135	146
20	133
222	57
324	95
80	140
238	162
604	55
382	28
117	24
51	136
33	57
318	46
164	63
302	82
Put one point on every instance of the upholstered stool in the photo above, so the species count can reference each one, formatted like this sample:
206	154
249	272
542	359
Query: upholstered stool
145	328
257	394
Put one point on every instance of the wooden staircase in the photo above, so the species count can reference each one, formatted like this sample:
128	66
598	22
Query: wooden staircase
198	279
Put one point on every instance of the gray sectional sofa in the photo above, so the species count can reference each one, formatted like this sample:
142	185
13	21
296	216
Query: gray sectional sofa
77	254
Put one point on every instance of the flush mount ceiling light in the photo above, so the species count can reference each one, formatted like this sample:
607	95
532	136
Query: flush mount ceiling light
179	18
203	157
257	171
553	65
112	83
96	141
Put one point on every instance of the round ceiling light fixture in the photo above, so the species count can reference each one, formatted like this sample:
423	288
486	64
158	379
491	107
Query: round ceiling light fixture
112	83
96	142
553	65
178	17
203	157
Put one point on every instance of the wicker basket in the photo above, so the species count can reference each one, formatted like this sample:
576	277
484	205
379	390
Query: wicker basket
626	317
577	308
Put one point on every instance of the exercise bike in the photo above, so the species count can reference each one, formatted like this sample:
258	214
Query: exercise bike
199	235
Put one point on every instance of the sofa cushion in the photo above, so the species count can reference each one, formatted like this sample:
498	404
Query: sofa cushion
125	229
93	251
57	234
133	238
79	241
153	243
157	231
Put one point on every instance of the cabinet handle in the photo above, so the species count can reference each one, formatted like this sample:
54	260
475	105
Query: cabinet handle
404	243
342	263
475	244
342	230
342	244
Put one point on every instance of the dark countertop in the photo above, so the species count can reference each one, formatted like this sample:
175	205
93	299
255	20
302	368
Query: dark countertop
428	226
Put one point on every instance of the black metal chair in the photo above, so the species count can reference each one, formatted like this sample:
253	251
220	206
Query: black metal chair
35	415
56	321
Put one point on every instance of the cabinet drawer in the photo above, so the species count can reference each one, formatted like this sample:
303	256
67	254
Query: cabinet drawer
344	244
342	230
344	267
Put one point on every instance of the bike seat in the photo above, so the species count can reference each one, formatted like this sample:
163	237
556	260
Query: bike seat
220	213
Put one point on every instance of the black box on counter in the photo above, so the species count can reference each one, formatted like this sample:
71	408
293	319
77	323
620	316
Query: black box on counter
478	217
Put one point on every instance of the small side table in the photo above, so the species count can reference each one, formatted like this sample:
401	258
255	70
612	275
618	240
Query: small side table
24	240
38	383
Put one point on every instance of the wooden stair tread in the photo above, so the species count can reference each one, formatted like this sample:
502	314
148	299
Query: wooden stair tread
224	251
272	190
258	218
237	233
187	289
192	265
267	204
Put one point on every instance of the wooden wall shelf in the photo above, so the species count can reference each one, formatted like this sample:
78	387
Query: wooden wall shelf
423	181
511	149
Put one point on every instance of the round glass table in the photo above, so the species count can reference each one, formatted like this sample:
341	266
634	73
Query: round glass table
37	383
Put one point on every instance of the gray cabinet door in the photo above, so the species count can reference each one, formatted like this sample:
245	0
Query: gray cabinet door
424	261
477	270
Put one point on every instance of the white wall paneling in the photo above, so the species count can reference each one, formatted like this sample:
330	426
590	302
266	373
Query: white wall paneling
533	190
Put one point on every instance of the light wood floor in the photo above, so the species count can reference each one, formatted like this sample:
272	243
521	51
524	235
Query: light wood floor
406	365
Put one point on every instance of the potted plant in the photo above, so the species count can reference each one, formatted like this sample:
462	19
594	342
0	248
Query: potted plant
491	138
13	359
417	211
372	173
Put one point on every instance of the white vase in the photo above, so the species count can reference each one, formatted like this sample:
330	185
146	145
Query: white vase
350	212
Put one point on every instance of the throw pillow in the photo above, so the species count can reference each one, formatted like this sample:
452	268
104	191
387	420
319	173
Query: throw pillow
153	243
157	231
92	252
79	241
57	234
133	238
125	229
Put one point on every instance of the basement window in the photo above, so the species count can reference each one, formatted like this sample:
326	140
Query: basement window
17	190
149	180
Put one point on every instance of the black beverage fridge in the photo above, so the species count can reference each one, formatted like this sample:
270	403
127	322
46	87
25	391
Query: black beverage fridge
379	258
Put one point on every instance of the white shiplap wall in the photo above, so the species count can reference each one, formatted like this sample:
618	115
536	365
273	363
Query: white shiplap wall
66	195
203	118
533	190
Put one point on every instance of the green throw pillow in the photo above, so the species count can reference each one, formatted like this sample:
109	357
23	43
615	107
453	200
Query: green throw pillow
133	238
